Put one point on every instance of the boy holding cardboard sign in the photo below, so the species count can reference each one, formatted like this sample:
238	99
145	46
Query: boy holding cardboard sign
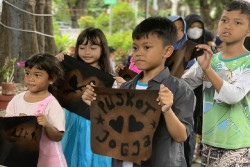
153	41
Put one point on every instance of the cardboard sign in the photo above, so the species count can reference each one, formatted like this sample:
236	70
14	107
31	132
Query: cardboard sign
127	74
123	123
77	75
19	141
178	61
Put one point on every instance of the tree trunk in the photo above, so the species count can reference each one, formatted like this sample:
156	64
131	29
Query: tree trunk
74	23
50	45
205	8
76	11
174	7
15	40
205	11
40	4
29	41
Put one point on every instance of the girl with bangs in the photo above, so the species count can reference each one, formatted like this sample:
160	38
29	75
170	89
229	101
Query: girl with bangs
91	48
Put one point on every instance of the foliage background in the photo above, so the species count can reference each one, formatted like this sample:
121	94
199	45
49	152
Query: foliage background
79	14
127	13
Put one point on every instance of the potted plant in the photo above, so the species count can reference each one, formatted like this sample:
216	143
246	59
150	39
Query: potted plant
8	86
8	70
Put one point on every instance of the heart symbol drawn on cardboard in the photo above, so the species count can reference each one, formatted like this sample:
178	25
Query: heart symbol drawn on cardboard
134	125
117	124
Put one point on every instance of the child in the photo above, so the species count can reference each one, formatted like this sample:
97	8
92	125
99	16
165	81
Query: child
153	41
181	30
182	40
112	57
176	63
42	72
195	32
195	28
72	51
226	85
92	48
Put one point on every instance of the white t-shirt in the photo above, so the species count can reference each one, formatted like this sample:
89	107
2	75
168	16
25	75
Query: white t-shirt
54	112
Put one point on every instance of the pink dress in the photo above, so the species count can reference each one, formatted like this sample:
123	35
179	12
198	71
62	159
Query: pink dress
50	153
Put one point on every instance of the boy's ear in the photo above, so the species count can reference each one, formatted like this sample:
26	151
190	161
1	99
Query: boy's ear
169	49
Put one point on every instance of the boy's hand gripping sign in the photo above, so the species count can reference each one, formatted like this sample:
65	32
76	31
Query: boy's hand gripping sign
123	123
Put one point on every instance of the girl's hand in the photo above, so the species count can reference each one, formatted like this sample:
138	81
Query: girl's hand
165	98
22	115
60	56
89	94
118	68
42	120
119	81
204	60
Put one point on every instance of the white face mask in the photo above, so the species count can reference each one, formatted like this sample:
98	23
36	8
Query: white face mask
194	33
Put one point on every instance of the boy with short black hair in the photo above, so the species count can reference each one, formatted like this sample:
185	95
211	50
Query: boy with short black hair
226	85
153	41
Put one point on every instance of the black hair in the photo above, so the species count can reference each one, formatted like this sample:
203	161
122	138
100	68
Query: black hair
243	6
163	27
51	65
247	43
209	36
96	37
190	19
111	49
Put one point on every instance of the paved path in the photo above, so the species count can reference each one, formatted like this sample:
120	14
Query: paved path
196	165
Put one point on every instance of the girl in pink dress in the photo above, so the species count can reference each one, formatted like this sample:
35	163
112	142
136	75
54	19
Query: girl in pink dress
42	73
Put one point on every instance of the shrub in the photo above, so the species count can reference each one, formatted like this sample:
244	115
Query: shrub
86	21
64	42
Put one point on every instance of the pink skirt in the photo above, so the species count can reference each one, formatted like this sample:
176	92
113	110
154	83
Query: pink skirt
50	153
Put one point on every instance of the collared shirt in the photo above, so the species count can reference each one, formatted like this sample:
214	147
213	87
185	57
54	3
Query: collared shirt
165	151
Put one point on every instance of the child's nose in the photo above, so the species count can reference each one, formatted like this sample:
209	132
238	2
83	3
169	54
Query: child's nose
87	50
228	25
138	52
31	78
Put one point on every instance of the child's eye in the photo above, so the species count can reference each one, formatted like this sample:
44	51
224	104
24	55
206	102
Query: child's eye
223	20
37	75
27	73
134	48
180	29
147	47
237	23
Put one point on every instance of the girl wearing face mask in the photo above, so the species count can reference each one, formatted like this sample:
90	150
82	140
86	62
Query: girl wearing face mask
195	28
196	33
